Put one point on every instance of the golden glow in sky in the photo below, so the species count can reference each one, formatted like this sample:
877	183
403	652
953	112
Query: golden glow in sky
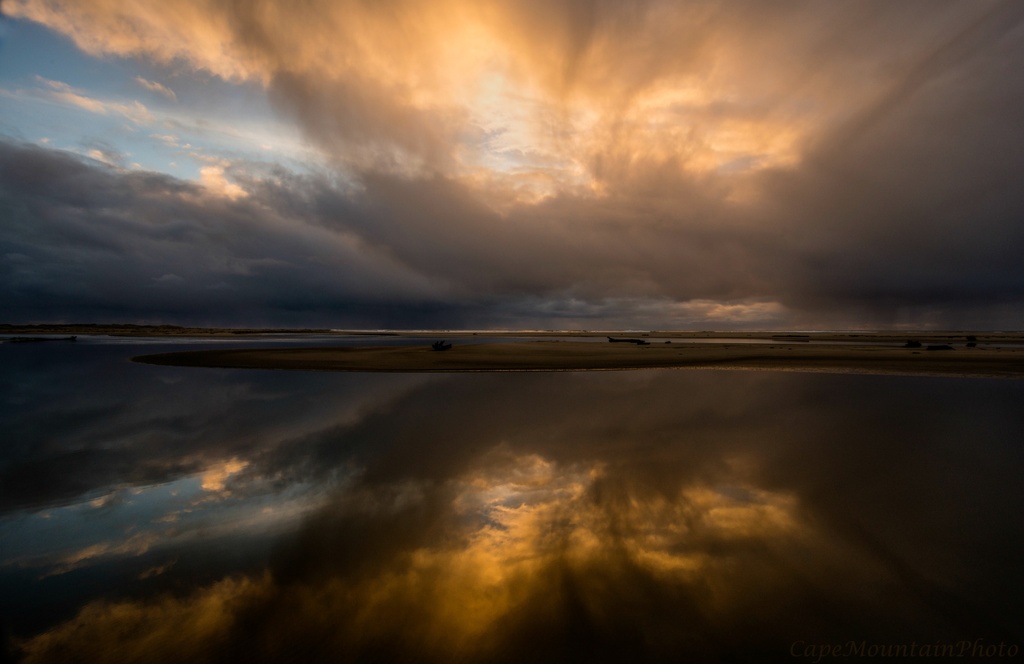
528	98
554	164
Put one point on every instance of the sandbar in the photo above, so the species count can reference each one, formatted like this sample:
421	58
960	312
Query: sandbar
549	355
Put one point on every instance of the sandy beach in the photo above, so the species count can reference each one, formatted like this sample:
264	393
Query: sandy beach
584	356
977	353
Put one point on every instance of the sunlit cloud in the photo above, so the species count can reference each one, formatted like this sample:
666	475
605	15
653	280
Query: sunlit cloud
733	312
134	111
212	177
159	88
105	157
590	92
168	139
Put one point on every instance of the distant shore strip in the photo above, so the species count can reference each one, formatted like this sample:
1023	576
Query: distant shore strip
584	356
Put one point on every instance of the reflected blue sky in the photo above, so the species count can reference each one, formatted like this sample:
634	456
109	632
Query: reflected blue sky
654	514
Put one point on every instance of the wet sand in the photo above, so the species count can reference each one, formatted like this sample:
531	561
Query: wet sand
584	356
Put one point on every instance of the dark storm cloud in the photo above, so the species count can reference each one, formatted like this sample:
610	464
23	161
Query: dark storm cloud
83	240
919	210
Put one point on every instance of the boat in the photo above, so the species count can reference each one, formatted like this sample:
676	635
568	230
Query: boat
638	342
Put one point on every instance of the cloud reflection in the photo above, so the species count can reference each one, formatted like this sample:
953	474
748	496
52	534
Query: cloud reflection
517	537
646	516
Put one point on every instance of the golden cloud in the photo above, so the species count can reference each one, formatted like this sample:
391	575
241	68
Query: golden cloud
539	96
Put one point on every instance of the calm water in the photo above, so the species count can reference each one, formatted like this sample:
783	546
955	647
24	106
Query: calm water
175	514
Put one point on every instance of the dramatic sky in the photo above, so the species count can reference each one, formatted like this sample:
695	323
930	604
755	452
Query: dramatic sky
493	164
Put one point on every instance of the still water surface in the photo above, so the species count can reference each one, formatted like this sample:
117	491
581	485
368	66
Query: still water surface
181	514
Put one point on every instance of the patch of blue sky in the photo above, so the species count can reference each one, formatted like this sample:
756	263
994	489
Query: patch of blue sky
28	50
135	113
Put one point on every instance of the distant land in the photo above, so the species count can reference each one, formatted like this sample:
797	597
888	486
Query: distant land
874	336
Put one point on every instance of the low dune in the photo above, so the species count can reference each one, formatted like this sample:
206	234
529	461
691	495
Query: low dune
583	356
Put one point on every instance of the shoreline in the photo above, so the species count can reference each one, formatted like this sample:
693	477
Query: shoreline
588	356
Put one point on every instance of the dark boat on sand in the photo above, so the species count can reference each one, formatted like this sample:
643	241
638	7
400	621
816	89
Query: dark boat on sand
638	342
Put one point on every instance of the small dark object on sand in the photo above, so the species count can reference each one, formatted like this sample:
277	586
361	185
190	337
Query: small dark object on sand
638	342
440	345
939	347
912	344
